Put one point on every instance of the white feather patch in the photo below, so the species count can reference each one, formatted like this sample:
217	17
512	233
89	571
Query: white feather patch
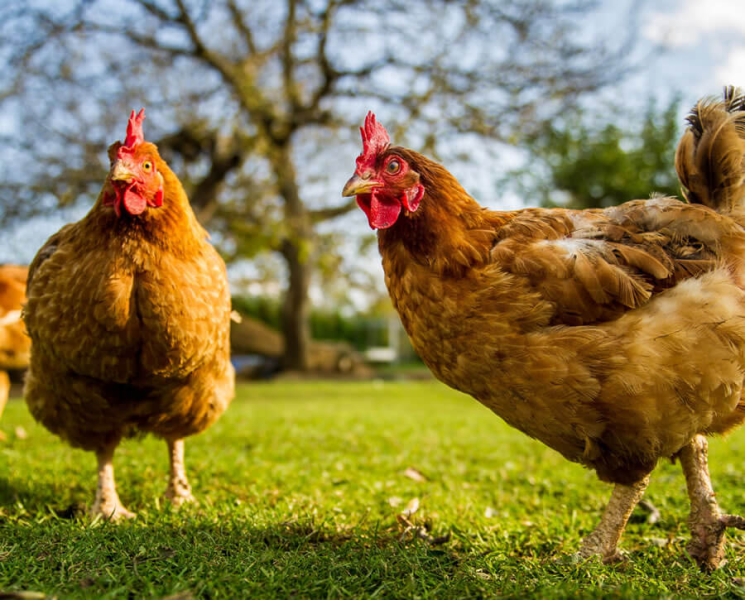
12	316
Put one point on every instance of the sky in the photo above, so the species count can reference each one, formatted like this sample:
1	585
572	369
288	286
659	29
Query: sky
703	42
702	48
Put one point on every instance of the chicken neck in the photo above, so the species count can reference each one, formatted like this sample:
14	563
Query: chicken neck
107	503
706	521
171	228
450	232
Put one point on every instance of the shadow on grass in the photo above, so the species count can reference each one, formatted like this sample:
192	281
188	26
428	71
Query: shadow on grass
39	497
48	544
220	557
222	551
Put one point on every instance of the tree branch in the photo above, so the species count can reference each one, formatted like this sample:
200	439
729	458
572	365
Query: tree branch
288	59
242	26
324	214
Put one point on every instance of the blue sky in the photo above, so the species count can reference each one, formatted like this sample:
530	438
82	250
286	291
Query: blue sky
703	48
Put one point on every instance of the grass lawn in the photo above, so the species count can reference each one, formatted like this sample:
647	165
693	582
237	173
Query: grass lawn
300	485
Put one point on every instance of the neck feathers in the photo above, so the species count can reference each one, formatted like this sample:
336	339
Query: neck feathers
450	232
172	226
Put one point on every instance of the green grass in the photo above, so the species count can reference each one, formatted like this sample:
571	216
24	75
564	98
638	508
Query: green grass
300	485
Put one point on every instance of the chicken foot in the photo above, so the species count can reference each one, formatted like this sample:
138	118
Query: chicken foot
706	521
603	541
178	490
107	503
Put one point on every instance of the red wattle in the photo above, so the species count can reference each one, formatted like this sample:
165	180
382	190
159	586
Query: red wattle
383	211
133	203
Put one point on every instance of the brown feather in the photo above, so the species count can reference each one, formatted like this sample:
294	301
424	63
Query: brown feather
709	158
584	329
130	320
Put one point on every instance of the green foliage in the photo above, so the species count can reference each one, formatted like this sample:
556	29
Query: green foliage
266	310
361	331
589	161
299	488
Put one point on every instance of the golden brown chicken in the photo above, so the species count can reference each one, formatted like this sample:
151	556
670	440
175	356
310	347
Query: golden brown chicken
616	336
14	343
129	313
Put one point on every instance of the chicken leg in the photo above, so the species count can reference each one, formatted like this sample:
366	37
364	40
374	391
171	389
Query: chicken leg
603	541
706	521
179	490
4	393
107	503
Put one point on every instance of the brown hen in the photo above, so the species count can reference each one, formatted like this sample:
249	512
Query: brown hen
14	343
129	314
616	336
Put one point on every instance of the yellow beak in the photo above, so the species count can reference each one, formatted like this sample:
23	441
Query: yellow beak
356	185
120	173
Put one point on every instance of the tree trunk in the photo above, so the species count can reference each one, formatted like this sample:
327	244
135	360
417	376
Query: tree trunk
297	251
295	309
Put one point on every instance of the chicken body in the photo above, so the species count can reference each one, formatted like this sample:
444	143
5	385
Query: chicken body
616	337
129	315
615	395
14	343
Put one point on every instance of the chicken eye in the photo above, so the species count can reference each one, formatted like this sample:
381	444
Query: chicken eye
393	167
147	166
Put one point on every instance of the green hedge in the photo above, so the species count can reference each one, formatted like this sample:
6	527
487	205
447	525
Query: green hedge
361	331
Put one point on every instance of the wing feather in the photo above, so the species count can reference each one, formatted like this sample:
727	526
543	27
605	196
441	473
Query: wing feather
595	265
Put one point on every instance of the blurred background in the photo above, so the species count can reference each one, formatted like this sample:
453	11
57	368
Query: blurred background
256	104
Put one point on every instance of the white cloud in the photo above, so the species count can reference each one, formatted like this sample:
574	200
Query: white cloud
732	71
695	20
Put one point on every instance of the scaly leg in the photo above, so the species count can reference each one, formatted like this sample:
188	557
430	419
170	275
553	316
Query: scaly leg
706	521
603	541
179	490
4	393
107	503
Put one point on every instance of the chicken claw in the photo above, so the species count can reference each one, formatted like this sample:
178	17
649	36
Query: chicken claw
603	541
110	509
706	521
178	490
107	503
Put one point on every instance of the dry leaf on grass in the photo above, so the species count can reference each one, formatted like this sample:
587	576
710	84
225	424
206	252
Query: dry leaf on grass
657	541
411	507
651	512
21	433
179	596
404	520
414	474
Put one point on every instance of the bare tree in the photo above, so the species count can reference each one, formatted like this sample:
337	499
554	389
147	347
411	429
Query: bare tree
254	98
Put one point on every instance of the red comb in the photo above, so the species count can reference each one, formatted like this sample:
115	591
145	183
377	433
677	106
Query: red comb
134	129
374	141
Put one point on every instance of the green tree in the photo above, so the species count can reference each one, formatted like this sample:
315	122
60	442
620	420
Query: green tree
256	103
585	161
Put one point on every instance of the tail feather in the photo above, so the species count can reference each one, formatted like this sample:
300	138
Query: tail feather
710	158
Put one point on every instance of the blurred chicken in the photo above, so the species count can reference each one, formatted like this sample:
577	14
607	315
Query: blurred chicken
14	343
616	336
129	314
